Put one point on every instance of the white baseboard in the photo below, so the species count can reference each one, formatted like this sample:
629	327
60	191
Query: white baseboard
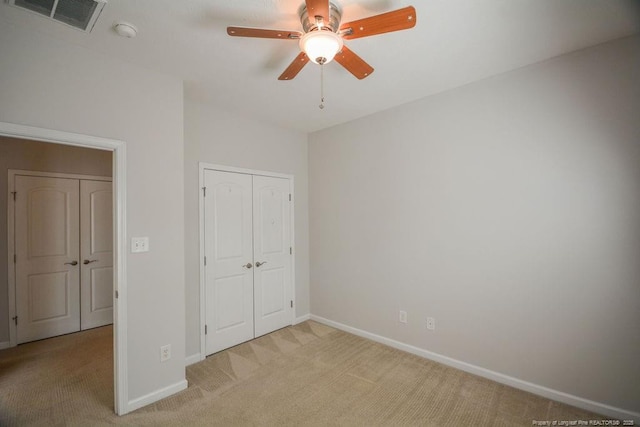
546	392
152	397
194	358
302	319
5	344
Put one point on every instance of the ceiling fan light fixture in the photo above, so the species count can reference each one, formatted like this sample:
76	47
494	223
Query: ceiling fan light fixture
321	46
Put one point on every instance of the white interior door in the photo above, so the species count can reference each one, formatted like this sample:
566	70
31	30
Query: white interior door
47	254
271	247
229	261
96	269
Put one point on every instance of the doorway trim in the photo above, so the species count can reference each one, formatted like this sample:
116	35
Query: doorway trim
222	168
118	148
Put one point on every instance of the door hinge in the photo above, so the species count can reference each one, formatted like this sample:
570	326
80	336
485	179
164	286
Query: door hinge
290	250
205	329
205	260
289	196
291	303
204	191
13	193
15	319
14	258
116	294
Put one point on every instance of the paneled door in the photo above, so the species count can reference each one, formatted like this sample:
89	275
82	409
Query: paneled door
248	271
229	259
96	234
271	252
64	255
47	252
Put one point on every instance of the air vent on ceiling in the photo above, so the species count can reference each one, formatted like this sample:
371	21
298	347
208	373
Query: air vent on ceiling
81	14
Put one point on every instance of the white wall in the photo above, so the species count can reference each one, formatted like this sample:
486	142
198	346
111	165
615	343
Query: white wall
508	209
60	86
219	137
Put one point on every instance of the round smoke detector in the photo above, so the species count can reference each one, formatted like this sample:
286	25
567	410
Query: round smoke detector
125	29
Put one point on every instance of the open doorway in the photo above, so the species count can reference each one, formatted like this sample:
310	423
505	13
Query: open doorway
41	143
60	231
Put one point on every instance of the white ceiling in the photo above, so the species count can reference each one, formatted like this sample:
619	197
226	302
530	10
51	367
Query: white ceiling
455	42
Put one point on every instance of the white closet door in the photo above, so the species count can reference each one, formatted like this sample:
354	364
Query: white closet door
272	241
47	255
96	231
229	268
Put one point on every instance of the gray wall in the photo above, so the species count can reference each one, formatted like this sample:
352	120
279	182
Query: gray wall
57	85
219	137
508	209
38	156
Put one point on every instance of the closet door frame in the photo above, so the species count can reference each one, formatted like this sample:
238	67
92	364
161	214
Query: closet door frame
202	166
11	229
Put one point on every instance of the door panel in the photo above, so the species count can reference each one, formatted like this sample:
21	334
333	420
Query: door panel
272	240
101	286
230	200
228	249
47	242
270	224
273	291
96	231
47	233
229	302
48	297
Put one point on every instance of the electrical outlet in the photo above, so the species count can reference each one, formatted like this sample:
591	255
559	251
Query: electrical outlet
431	323
402	317
165	353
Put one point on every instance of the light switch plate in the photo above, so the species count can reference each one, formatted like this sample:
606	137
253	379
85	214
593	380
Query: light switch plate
139	244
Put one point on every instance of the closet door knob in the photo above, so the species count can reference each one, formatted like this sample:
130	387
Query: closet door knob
89	261
71	263
258	264
248	265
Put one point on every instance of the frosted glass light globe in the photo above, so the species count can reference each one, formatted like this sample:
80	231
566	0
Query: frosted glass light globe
321	46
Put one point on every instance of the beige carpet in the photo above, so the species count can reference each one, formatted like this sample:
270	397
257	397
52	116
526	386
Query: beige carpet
308	374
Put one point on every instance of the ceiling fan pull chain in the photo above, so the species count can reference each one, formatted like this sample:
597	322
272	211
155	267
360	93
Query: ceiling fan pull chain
321	86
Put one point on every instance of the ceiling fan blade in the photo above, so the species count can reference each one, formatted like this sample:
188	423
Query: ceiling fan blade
318	8
353	63
401	19
262	33
294	68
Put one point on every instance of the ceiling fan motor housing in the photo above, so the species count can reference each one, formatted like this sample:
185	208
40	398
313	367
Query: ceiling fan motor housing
310	23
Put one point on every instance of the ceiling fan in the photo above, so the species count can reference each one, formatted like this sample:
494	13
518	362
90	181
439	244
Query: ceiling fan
322	39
